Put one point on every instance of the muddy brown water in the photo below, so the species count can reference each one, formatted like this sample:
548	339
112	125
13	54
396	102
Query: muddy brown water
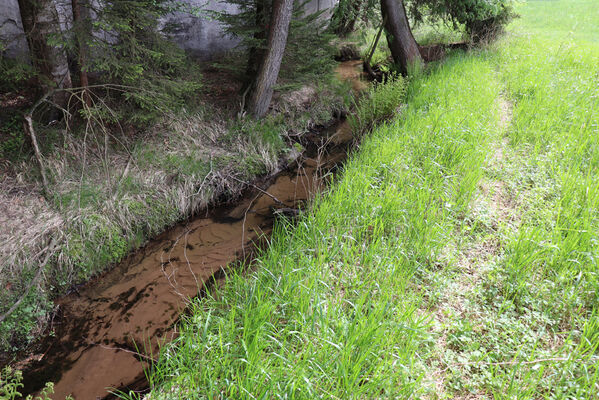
101	329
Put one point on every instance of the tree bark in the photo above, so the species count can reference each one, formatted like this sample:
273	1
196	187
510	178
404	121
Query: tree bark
404	48
40	21
271	63
80	32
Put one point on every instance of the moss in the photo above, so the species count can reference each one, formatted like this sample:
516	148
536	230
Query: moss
103	244
251	166
189	165
84	196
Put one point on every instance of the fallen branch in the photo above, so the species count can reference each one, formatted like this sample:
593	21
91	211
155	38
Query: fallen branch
115	348
28	127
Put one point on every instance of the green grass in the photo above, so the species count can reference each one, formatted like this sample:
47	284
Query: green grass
455	256
332	308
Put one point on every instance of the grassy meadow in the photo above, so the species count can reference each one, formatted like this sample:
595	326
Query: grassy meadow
456	256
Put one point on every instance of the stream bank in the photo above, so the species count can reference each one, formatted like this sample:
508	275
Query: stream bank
102	327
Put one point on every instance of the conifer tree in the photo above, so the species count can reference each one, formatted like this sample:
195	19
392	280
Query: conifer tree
81	23
40	23
308	53
119	41
404	48
480	18
271	62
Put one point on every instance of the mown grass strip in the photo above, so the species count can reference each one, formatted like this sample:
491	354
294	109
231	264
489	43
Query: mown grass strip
549	276
528	327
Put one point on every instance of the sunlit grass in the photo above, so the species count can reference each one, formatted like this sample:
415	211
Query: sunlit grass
332	307
358	299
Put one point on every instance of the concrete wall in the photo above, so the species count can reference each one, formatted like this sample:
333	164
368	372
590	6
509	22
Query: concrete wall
12	39
201	37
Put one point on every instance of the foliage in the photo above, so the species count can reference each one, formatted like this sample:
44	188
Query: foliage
308	53
11	382
351	15
13	73
12	138
22	326
481	18
149	75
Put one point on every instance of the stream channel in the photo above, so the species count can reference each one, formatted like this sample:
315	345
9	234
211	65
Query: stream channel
135	307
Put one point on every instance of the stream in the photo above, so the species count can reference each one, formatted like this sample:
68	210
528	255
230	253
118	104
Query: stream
101	329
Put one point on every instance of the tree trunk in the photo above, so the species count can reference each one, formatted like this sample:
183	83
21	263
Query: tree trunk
40	21
79	23
271	63
404	48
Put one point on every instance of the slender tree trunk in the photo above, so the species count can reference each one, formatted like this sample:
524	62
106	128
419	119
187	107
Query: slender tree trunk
79	23
271	63
40	21
404	48
373	49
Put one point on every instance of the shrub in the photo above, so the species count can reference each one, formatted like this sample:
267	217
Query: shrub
480	18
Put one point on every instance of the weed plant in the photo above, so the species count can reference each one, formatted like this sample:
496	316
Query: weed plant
380	103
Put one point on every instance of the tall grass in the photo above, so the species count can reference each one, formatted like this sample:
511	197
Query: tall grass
331	309
550	270
380	291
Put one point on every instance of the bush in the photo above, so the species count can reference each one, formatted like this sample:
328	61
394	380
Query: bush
482	19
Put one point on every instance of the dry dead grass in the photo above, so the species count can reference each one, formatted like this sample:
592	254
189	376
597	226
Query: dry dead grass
107	191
